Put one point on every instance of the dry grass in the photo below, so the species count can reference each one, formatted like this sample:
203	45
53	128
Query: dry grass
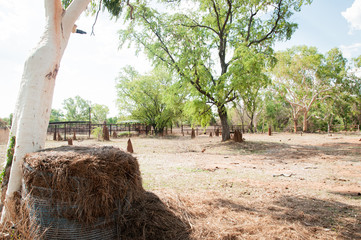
280	187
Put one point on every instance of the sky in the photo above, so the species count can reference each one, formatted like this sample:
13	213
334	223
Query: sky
91	64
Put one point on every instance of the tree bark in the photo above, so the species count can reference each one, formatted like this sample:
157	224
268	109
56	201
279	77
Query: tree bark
222	111
33	106
295	123
305	121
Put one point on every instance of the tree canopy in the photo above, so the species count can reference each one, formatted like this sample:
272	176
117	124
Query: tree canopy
152	98
210	43
304	76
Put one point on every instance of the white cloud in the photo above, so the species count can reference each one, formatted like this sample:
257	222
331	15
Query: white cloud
351	51
353	15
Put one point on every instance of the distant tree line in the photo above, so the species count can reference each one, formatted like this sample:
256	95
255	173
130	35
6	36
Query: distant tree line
79	109
303	90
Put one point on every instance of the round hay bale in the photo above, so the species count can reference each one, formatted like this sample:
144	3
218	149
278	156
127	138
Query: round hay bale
78	192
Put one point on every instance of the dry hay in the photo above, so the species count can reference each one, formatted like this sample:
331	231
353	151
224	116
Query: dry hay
150	218
93	179
19	226
96	183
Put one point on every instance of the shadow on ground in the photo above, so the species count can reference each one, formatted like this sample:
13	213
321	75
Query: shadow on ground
344	219
292	151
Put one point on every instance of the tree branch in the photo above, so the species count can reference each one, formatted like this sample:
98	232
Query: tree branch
96	18
73	12
217	14
267	36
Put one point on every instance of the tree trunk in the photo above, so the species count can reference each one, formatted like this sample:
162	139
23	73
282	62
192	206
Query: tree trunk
305	128
222	111
251	124
33	106
295	123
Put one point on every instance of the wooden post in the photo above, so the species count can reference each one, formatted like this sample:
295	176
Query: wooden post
269	131
65	131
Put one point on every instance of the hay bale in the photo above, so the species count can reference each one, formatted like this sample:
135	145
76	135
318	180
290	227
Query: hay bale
149	218
77	174
79	190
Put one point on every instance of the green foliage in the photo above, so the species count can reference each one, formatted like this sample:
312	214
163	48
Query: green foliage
112	120
275	111
76	109
151	98
99	113
198	113
66	3
97	132
303	77
9	157
217	48
56	115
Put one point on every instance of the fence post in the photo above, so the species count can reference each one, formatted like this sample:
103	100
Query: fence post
65	131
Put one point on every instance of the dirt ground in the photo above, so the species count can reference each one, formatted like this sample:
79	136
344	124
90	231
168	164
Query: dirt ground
283	186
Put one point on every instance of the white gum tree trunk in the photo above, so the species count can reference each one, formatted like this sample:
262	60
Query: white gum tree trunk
33	106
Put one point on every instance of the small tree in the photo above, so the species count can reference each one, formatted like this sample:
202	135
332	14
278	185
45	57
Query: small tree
99	113
152	98
76	109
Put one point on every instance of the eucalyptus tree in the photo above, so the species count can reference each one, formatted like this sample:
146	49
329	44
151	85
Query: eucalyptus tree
33	105
56	115
99	113
76	109
304	76
208	42
153	98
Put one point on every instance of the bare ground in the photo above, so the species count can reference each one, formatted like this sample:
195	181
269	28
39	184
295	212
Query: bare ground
283	186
